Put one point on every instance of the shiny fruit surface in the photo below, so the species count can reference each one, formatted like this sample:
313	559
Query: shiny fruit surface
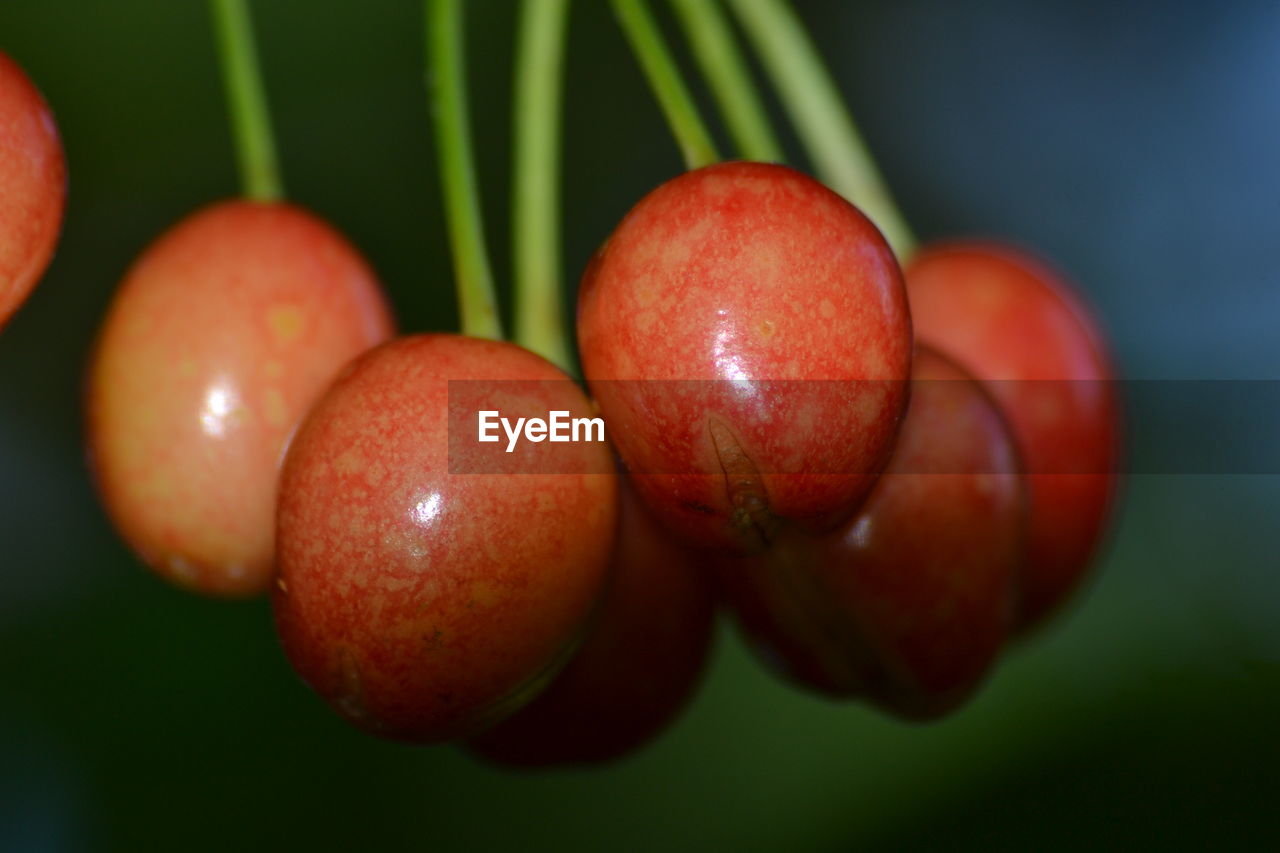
1018	326
909	603
424	604
638	667
33	186
221	336
745	332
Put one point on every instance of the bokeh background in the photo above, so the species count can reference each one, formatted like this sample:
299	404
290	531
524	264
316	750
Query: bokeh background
1134	143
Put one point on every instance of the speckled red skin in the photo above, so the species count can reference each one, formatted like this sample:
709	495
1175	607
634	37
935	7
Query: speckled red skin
909	603
1005	316
33	186
220	337
637	669
422	604
747	271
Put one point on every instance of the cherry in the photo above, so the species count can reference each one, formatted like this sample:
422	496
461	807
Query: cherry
220	337
422	597
1005	316
636	670
757	283
908	604
33	186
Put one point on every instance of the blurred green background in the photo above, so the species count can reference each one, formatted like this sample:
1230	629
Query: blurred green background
1134	143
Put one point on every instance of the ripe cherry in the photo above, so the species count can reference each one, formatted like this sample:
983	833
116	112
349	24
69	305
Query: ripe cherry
724	301
1018	326
638	667
909	603
33	186
422	596
220	337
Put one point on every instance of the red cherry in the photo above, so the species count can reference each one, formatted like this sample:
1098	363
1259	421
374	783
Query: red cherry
738	273
907	604
33	186
1004	316
219	339
424	604
636	670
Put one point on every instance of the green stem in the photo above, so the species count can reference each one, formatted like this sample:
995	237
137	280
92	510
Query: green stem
448	83
664	76
723	65
539	76
246	101
820	115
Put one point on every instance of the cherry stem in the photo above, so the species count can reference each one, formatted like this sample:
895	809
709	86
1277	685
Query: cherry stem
446	80
246	101
664	77
722	63
820	115
538	87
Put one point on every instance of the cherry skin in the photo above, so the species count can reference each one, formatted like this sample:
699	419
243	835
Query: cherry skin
1004	316
776	298
33	186
220	337
637	669
909	603
422	604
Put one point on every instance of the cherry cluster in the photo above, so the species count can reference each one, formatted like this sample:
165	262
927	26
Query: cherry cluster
559	617
928	467
883	475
